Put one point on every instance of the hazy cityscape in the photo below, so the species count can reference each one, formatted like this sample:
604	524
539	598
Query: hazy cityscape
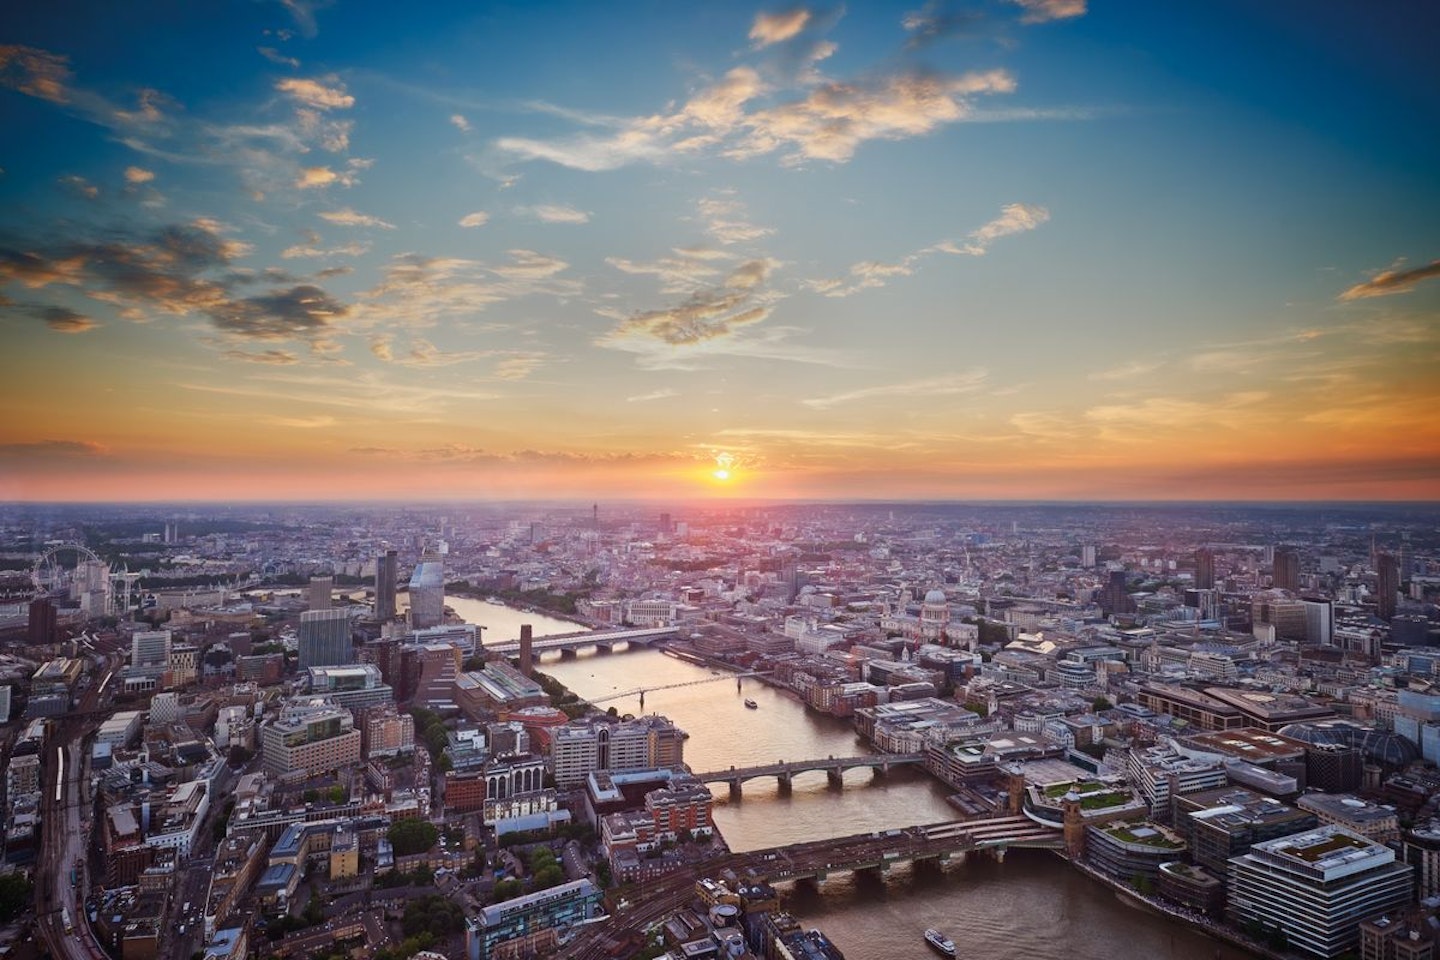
879	479
620	730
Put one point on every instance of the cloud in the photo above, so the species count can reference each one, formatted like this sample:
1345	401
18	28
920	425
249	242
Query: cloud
325	93
346	217
704	315
970	381
418	291
138	175
312	177
726	220
302	310
65	320
280	358
1390	282
382	347
477	219
312	248
663	394
460	123
79	186
37	73
529	265
1126	371
870	274
829	122
771	28
1043	11
1014	218
686	270
275	56
938	20
303	12
517	367
50	450
180	270
554	213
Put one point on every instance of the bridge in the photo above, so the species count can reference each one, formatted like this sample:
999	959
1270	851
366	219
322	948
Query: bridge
641	691
784	772
935	844
881	850
603	641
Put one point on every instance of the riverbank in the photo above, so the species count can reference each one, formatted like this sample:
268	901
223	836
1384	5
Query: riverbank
1195	921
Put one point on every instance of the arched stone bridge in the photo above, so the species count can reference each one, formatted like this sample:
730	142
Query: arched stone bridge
834	767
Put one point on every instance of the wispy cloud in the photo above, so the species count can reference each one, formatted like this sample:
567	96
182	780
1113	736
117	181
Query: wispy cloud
554	213
1014	218
870	274
477	219
280	358
1126	371
737	116
1392	281
1044	11
971	381
345	217
664	394
458	121
770	28
138	175
726	219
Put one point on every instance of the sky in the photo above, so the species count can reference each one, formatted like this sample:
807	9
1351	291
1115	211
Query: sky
997	249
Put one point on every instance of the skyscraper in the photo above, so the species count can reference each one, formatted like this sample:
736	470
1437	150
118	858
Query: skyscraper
1286	569
385	569
1205	569
44	622
1387	585
427	592
1115	598
320	590
325	639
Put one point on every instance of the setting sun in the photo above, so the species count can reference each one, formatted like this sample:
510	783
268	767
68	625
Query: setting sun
722	475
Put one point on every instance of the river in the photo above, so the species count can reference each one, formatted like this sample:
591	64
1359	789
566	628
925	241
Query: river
502	624
1032	906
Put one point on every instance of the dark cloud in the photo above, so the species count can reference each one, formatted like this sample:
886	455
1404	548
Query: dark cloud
65	320
50	450
705	314
1392	281
178	270
296	313
273	357
939	20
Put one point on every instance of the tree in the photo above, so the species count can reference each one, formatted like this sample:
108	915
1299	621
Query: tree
1101	703
337	794
15	893
412	836
507	889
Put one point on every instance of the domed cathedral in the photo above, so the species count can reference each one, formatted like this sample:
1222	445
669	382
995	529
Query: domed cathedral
934	617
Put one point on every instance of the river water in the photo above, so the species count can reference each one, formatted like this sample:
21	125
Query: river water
1031	907
502	624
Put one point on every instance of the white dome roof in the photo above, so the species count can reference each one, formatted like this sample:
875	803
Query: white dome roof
935	596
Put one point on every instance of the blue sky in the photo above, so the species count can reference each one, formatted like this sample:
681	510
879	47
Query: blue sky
1058	248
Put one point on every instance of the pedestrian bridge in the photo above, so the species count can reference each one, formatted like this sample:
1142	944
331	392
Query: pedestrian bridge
605	641
785	771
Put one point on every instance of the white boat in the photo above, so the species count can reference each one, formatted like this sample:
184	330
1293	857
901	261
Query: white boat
494	602
941	943
752	704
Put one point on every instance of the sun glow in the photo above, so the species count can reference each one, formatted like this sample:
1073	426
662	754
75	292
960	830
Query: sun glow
721	475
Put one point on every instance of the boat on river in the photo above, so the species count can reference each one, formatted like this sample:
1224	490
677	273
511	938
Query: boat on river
940	943
752	704
494	602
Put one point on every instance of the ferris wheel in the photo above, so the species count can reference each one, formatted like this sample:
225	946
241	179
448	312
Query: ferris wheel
50	575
